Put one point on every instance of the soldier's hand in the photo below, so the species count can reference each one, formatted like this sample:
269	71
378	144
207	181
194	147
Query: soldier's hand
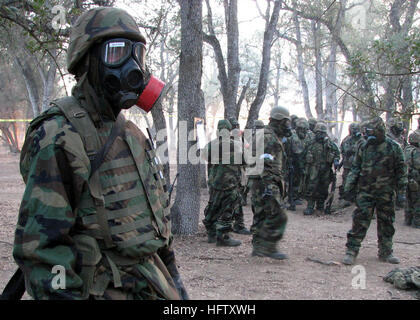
180	287
336	164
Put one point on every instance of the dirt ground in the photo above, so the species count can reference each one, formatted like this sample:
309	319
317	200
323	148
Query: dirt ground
315	246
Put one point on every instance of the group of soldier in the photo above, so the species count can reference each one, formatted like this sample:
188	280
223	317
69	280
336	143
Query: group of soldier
380	170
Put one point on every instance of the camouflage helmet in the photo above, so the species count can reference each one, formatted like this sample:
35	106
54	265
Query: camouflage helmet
234	122
97	24
312	123
293	119
320	127
224	124
279	113
302	123
414	137
258	124
354	126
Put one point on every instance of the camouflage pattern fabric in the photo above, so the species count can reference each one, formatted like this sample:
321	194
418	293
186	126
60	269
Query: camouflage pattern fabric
348	150
404	278
294	149
224	179
319	158
377	172
58	221
96	24
412	209
270	219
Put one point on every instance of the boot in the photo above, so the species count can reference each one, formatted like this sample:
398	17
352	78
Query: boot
226	241
211	238
273	255
390	259
241	230
309	209
349	258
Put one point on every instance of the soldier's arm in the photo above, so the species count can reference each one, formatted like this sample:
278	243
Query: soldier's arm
353	175
46	217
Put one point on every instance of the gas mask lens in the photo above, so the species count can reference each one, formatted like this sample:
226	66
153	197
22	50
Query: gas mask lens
116	51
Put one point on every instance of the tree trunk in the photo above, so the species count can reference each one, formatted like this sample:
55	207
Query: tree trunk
271	26
186	209
301	67
318	71
31	85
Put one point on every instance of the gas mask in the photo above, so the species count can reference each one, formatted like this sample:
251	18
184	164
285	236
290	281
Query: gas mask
301	132
370	135
282	128
124	76
320	136
397	129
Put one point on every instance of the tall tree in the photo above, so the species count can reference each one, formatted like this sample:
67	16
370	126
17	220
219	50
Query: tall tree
186	209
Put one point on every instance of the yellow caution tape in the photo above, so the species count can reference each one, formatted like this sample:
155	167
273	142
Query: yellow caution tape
15	120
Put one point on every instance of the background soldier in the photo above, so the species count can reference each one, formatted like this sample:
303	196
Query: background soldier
238	215
270	218
377	172
395	130
302	129
92	202
348	150
321	154
312	123
223	182
294	148
412	158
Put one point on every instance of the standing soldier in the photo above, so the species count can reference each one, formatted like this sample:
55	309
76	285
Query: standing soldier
312	123
395	129
238	215
270	218
412	158
302	129
95	202
320	156
348	150
223	185
294	148
377	172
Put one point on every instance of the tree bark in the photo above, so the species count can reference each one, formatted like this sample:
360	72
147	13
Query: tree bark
318	71
186	209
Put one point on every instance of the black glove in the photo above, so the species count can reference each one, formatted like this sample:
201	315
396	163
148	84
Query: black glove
167	255
348	196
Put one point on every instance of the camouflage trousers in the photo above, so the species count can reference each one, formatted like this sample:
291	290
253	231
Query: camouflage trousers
412	209
317	186
367	205
238	218
270	219
218	214
346	172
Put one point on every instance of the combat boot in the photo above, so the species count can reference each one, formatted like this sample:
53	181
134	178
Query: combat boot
211	238
349	258
242	230
309	209
390	259
273	255
226	241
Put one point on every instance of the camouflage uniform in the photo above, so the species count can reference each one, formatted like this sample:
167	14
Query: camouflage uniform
302	130
270	218
294	148
312	123
412	158
110	228
319	158
395	129
223	183
378	170
238	215
348	150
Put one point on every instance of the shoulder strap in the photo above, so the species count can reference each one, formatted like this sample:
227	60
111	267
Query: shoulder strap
81	121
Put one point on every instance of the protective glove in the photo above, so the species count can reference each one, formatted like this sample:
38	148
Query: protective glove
167	255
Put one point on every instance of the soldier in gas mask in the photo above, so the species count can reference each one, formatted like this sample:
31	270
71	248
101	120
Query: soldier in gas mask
95	200
378	172
270	218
